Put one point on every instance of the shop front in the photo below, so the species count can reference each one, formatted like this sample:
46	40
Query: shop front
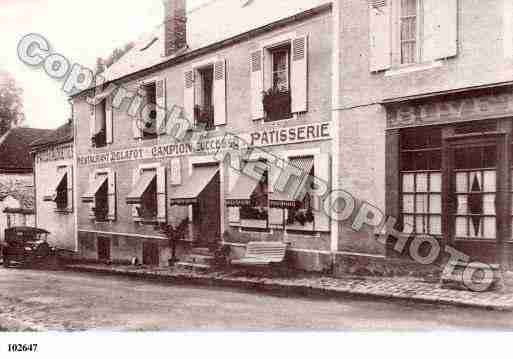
449	170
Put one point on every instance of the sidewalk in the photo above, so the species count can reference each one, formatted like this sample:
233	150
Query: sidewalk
400	288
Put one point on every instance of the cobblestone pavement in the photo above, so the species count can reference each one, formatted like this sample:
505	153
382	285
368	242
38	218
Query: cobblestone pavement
405	288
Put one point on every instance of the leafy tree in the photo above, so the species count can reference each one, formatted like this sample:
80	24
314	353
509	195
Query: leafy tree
11	103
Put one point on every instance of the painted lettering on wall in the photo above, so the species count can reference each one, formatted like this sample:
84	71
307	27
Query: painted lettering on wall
211	145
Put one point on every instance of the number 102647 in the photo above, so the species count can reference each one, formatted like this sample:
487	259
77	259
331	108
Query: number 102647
22	348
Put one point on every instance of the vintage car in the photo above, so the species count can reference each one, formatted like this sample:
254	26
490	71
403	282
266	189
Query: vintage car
25	245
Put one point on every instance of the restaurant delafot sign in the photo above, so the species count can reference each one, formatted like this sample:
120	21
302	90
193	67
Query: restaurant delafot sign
210	145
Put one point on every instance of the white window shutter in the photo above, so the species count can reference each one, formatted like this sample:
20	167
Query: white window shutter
299	74
188	96
136	127
220	92
161	106
380	34
440	32
257	84
135	178
176	171
322	170
109	120
161	195
69	182
112	195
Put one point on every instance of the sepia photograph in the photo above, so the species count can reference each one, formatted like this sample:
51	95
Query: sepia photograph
230	167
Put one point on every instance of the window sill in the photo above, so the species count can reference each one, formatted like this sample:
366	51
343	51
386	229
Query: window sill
406	69
63	211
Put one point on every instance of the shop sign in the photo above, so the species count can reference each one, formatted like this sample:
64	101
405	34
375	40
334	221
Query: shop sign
53	154
210	145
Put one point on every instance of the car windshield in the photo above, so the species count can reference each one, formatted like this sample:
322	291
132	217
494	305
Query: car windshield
30	236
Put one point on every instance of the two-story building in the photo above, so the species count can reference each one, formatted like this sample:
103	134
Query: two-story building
424	121
260	79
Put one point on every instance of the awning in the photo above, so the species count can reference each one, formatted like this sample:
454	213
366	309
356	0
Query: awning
289	197
135	197
241	194
52	195
94	187
189	192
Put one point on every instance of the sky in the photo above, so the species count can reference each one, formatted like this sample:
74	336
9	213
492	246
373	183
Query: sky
80	30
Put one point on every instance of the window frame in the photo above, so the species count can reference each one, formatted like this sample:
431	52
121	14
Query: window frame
144	86
397	61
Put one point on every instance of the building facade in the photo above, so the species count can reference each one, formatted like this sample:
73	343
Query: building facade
55	200
261	81
424	122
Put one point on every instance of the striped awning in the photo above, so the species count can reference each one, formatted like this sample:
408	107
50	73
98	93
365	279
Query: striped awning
189	192
135	196
94	187
52	195
242	191
289	197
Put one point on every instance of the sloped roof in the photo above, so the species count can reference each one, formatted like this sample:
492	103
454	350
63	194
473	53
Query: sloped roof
15	148
208	24
60	135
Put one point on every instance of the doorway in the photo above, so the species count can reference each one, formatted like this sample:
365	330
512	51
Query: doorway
151	254
207	214
103	249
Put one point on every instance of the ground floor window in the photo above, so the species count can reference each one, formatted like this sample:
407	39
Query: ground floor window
466	157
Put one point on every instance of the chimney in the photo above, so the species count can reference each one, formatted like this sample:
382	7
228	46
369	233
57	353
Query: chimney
175	26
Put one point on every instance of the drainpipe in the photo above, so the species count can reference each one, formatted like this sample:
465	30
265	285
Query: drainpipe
335	117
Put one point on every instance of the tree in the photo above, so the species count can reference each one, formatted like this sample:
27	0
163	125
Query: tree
11	103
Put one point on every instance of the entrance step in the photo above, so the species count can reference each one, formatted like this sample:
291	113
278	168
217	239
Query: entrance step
202	251
199	259
195	267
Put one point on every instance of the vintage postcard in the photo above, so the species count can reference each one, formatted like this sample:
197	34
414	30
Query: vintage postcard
254	165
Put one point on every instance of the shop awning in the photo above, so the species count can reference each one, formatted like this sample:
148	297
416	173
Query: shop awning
52	194
288	199
135	197
94	187
241	194
189	192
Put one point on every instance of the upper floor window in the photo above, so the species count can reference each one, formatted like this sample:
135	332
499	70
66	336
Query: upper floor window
99	138
411	31
204	106
149	129
279	78
61	191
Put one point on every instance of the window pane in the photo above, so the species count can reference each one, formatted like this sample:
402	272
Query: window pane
436	182
489	204
421	224
490	179
435	203
462	204
408	206
421	205
408	183
461	182
435	225
422	185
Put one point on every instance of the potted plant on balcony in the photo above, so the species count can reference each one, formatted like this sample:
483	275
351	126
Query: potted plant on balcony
204	116
99	139
276	104
100	213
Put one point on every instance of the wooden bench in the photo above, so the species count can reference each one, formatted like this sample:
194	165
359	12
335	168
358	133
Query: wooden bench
262	254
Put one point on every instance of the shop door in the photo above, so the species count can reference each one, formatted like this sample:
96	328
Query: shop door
103	249
207	214
475	163
151	254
